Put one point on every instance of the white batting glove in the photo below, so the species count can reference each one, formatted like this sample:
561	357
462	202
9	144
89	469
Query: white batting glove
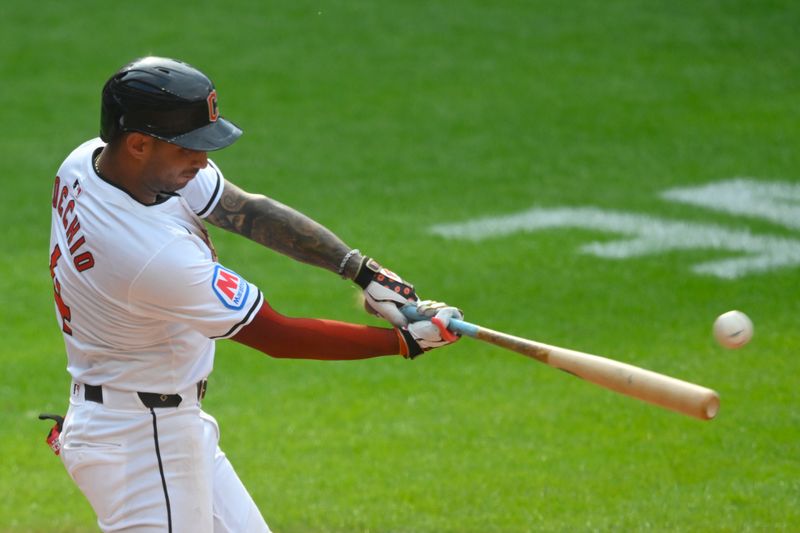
384	292
432	332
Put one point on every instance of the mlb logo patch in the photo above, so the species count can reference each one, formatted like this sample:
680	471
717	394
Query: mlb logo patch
230	287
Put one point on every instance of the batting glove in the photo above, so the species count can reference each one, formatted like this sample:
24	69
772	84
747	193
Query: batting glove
430	333
384	292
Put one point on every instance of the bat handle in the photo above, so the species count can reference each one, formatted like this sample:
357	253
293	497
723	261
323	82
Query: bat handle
456	326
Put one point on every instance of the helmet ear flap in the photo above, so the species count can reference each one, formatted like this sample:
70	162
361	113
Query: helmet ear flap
110	115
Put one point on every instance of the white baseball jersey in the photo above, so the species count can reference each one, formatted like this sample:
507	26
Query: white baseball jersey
139	294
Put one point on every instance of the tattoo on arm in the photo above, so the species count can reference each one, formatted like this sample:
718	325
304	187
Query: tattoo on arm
280	228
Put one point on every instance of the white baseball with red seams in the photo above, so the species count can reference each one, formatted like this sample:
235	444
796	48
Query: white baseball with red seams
733	329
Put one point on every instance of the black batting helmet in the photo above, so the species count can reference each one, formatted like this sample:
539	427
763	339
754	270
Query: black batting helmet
167	99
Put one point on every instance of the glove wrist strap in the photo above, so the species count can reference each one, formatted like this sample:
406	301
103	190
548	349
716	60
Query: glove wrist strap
409	348
366	271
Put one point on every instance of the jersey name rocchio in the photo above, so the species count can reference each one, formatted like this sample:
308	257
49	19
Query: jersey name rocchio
81	258
76	246
229	287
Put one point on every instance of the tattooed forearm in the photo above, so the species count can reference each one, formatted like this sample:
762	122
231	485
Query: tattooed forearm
280	228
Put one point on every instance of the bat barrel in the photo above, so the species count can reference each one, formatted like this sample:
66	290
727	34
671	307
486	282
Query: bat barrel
658	389
652	387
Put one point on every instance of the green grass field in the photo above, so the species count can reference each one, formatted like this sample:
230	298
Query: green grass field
382	120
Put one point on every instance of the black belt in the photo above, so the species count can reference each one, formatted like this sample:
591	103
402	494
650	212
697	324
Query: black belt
94	393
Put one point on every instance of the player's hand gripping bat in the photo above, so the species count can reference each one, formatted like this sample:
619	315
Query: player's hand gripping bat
670	393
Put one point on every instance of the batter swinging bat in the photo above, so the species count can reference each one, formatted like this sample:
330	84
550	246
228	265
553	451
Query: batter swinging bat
670	393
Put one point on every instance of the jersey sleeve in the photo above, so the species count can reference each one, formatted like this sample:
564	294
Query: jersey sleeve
205	190
181	284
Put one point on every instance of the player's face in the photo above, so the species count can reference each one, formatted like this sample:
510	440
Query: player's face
170	167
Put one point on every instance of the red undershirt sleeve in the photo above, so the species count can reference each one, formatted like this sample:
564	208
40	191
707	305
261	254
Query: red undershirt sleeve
313	338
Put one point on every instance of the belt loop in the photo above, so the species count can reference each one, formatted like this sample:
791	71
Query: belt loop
202	385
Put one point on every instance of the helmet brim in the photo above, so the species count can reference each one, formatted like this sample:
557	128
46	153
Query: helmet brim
214	136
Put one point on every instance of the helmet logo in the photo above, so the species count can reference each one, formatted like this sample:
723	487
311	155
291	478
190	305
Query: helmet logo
213	108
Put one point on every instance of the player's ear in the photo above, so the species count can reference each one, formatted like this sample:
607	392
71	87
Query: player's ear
138	145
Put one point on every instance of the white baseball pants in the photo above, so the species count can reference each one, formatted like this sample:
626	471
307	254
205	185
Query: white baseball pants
154	470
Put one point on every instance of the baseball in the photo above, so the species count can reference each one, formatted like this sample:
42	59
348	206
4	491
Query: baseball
733	329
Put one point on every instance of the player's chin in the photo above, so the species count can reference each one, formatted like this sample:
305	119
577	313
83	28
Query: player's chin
182	180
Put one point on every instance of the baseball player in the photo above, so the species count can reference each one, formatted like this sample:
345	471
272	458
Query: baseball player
141	298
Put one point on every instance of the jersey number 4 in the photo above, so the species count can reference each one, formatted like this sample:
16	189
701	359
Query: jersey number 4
63	309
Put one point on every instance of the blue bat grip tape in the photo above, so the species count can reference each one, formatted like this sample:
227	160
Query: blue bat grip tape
455	325
464	328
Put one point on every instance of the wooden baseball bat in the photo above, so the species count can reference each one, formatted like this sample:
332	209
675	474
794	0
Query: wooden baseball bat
652	387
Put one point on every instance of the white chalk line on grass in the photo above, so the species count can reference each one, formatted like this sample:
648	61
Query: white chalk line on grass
647	235
778	202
